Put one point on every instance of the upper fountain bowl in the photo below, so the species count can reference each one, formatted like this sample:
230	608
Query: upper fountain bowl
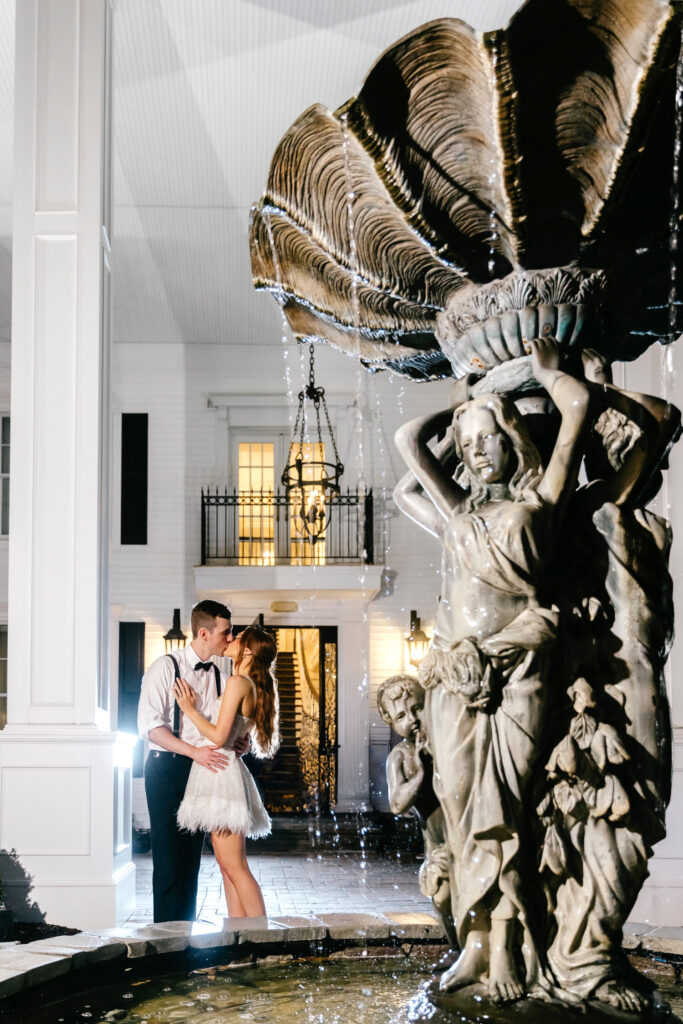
469	162
484	329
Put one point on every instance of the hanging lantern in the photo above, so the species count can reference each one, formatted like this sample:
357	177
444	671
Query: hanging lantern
175	638
310	482
417	641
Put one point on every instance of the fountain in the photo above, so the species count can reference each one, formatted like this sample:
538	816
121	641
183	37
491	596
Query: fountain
496	208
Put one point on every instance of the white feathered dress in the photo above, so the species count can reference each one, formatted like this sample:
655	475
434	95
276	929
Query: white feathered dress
227	799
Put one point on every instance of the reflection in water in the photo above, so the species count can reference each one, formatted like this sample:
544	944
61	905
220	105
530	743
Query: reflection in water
344	988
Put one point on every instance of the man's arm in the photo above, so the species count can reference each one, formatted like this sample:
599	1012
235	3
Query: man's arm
209	757
153	716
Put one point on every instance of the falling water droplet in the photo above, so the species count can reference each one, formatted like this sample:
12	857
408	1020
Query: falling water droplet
675	208
492	183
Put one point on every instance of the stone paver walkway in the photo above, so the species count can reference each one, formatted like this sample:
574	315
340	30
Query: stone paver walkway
302	884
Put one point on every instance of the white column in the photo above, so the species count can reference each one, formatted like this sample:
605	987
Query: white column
658	372
353	710
64	776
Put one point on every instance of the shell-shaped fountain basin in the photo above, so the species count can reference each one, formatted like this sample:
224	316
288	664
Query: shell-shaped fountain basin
485	329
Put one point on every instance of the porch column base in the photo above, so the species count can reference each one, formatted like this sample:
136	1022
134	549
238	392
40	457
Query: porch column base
65	825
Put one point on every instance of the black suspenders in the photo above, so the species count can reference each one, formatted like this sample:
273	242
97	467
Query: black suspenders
176	706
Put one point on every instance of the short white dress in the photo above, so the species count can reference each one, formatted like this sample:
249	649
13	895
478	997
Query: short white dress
227	799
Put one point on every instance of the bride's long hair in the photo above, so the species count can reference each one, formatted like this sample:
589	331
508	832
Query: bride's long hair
263	649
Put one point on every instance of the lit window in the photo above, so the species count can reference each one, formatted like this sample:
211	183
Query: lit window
262	526
4	476
256	515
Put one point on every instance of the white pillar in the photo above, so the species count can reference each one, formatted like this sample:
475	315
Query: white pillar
353	709
658	372
64	776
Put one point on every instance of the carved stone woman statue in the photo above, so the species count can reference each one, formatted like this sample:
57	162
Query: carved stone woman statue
486	672
501	660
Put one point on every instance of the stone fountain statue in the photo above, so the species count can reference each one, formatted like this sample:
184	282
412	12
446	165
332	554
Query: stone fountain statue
497	208
548	592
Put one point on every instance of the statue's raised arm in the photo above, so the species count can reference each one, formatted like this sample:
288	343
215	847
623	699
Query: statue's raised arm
635	433
572	400
427	493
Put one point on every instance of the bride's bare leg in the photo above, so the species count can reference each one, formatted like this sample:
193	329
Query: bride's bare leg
235	908
472	962
229	849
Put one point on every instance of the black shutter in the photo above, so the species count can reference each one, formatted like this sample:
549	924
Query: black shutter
134	478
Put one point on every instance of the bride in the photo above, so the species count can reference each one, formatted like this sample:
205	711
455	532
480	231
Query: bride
227	803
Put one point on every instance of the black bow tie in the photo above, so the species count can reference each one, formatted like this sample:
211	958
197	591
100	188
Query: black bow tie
206	665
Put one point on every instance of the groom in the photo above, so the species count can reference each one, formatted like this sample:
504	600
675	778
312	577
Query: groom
173	746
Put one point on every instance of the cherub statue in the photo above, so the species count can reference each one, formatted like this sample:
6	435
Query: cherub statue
410	782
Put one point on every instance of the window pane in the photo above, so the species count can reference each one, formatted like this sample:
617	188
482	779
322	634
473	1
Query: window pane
5	429
255	473
3	712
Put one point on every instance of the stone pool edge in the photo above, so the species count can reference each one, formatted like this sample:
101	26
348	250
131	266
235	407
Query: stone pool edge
23	967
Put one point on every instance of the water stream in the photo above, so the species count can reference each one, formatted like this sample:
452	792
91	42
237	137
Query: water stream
358	455
493	175
285	335
675	212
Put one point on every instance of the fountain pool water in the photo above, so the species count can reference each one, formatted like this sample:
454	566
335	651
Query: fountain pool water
386	986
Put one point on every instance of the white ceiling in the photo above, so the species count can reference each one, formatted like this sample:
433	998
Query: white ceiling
203	91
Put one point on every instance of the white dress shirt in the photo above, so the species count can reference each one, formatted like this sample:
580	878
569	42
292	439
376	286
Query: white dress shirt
157	701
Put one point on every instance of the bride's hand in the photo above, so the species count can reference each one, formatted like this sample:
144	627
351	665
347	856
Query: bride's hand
241	745
185	695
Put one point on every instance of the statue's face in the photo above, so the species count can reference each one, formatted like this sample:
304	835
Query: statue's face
404	712
485	448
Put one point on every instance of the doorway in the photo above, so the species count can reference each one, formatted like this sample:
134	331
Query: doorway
302	777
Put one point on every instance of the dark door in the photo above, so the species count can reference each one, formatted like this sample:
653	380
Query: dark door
131	670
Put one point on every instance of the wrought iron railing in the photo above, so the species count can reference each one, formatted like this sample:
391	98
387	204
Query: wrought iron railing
259	528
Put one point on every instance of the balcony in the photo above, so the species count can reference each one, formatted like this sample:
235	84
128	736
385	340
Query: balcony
257	528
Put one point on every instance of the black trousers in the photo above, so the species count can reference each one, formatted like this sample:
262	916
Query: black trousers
175	855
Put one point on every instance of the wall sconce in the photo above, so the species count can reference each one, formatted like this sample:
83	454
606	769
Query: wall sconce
417	641
175	638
